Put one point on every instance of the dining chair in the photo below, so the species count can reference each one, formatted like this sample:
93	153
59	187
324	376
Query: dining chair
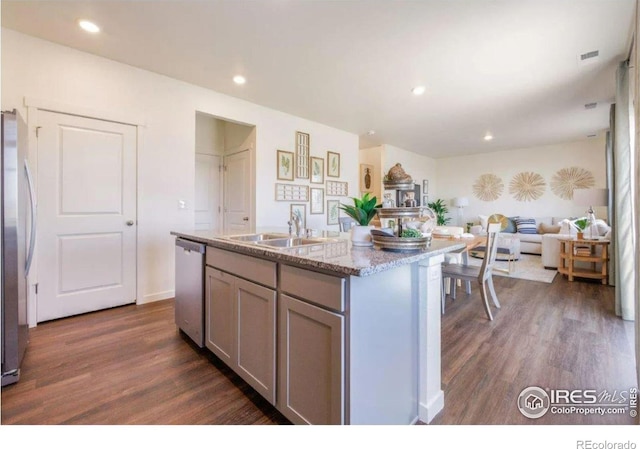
453	256
345	223
482	274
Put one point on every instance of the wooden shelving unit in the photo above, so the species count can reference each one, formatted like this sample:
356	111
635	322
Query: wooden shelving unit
573	250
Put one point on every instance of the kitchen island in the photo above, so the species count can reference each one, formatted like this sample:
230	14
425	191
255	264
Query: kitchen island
327	332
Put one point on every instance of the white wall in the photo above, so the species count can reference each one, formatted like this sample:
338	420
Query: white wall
238	137
456	176
209	135
35	68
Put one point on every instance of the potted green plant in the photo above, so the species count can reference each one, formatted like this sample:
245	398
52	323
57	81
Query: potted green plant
362	211
581	224
440	209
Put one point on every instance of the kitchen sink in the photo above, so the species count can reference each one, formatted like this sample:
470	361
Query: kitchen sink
278	240
257	237
290	242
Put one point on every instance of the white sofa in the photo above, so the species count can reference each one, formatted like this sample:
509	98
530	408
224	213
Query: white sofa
529	243
546	242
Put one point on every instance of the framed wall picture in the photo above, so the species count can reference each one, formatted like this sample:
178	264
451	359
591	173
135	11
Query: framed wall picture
285	165
302	155
337	188
402	194
317	170
317	201
301	211
366	178
333	164
333	212
292	192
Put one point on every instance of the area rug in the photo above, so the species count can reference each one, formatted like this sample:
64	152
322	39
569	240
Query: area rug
529	267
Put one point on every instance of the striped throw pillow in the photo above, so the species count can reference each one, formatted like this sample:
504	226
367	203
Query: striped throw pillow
526	225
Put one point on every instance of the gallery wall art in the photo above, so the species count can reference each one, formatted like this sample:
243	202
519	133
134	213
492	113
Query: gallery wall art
566	180
527	186
488	187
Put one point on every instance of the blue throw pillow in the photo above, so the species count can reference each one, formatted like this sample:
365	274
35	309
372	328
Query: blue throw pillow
526	225
511	225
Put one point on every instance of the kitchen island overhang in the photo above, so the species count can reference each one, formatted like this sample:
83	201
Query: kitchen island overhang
390	354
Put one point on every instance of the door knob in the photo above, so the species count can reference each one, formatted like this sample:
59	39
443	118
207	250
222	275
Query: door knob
245	218
130	223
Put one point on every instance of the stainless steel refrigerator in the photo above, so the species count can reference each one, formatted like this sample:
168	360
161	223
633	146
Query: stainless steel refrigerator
18	226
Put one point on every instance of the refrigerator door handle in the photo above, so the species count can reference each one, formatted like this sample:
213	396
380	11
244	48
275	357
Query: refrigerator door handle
32	201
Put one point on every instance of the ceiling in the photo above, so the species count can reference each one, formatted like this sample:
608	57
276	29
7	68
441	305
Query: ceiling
508	67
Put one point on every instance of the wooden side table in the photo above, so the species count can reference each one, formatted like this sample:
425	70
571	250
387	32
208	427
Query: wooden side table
572	250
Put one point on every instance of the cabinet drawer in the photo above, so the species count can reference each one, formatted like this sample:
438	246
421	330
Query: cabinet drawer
322	289
248	267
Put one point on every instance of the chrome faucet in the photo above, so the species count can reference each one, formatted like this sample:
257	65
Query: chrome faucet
295	220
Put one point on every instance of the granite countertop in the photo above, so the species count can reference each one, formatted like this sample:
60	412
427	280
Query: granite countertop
336	255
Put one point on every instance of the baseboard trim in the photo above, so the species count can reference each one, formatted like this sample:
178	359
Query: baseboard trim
157	297
428	411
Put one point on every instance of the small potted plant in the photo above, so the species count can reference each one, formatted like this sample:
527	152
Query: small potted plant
441	210
362	211
581	224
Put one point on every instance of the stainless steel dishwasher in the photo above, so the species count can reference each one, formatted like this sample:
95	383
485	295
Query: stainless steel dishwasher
189	311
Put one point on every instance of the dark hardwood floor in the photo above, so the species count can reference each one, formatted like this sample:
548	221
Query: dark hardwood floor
563	335
129	365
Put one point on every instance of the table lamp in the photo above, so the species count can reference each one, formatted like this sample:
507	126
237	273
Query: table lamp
591	198
460	202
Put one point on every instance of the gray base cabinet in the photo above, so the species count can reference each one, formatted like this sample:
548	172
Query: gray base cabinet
219	314
240	328
311	363
341	349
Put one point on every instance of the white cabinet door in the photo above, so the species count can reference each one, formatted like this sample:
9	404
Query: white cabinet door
86	215
220	314
310	363
256	337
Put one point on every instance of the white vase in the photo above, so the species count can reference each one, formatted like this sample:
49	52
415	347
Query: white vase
361	235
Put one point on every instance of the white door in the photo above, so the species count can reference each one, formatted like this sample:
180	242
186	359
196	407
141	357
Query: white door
208	188
86	215
237	193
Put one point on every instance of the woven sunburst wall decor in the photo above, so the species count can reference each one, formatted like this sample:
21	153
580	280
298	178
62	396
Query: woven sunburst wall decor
566	180
488	187
527	186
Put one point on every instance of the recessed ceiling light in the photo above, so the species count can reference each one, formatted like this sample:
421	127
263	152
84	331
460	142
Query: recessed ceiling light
239	79
370	132
89	27
488	137
418	90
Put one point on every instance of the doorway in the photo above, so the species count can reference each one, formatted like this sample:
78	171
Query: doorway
223	187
